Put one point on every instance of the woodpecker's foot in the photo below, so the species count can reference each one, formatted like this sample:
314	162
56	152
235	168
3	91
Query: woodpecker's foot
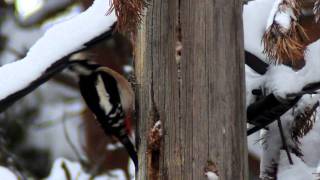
132	80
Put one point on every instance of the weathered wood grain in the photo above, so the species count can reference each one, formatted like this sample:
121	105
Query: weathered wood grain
199	99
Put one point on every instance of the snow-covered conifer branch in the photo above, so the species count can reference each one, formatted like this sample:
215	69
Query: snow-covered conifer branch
129	13
281	81
285	39
293	132
303	122
50	53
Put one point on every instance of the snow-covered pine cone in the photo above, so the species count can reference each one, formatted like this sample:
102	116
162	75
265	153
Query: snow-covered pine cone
284	38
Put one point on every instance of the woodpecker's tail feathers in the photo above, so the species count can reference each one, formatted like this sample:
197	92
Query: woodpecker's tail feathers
130	149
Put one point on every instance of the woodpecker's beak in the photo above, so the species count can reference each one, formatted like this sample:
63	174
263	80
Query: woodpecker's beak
72	67
83	67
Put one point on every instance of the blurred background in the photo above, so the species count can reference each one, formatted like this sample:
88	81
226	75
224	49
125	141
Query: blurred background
50	133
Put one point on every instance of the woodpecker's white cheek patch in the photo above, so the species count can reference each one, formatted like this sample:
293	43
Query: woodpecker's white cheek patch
103	96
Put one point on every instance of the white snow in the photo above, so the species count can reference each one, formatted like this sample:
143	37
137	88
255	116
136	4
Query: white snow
310	72
318	169
6	174
255	15
77	172
157	127
310	145
281	17
74	169
280	79
253	81
299	171
49	126
211	175
271	145
59	41
273	12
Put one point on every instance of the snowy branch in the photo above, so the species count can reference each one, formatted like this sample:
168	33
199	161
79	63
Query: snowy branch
282	81
50	53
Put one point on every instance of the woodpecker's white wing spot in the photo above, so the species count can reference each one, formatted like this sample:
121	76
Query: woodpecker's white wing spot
116	112
118	124
114	147
113	115
104	96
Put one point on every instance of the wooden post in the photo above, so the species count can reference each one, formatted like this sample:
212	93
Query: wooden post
199	99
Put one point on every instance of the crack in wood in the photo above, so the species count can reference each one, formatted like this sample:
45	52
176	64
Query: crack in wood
211	167
154	142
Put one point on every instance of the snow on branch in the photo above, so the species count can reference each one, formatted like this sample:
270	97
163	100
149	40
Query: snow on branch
129	13
285	39
287	33
297	122
282	81
50	53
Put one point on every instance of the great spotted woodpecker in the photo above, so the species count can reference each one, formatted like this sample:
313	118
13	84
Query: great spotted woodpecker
110	97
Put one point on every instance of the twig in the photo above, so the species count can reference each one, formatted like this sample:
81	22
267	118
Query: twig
301	93
66	170
11	160
73	147
284	142
308	89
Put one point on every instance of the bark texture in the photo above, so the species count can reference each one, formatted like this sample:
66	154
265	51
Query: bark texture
198	97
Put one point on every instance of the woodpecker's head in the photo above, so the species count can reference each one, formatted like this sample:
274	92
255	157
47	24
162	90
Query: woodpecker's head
83	67
80	64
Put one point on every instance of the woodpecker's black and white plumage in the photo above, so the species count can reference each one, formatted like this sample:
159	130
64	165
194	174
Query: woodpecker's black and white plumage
110	97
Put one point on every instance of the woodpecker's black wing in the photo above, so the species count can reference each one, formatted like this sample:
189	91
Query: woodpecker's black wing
89	94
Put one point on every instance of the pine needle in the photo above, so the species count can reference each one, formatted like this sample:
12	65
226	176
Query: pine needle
129	14
286	46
